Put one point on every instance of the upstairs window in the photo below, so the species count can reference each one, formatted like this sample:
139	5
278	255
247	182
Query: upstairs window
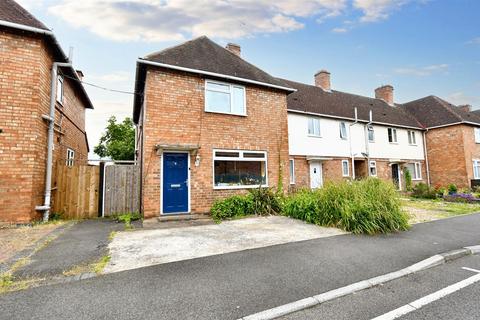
392	135
476	169
239	169
343	130
60	89
371	134
314	127
225	98
477	135
411	138
70	158
373	168
345	168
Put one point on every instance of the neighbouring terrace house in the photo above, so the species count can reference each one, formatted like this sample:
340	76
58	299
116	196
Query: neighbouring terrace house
209	125
28	50
452	141
335	135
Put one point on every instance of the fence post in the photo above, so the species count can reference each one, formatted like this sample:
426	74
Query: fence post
101	191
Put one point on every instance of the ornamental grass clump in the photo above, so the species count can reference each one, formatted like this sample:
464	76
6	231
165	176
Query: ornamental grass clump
368	206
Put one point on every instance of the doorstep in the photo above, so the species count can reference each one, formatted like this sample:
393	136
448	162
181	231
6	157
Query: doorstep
177	221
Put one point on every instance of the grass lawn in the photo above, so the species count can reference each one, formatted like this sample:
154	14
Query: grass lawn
426	210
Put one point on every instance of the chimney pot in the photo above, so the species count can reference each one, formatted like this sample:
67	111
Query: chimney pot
385	93
234	48
322	80
466	107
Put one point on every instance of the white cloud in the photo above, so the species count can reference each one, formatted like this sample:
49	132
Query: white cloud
29	4
474	41
460	98
173	20
114	77
339	30
423	71
374	10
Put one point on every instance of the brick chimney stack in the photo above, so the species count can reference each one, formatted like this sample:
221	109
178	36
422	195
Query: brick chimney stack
234	48
385	93
465	107
322	80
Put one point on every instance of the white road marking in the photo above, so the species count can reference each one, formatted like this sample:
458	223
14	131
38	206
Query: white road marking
417	304
470	269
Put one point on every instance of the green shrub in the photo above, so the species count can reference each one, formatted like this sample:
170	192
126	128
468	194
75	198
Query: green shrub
127	218
408	180
423	191
367	206
452	188
265	201
235	206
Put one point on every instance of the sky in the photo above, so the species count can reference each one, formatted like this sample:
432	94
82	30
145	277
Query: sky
420	47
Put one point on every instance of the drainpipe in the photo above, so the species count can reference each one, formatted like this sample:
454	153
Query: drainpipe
367	141
350	140
51	124
427	167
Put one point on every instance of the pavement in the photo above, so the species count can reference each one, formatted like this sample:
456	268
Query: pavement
82	244
233	285
380	300
141	248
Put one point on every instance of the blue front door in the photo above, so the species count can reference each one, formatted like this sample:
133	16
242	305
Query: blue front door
175	183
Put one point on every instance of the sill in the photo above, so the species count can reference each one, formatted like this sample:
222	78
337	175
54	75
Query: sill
393	142
417	179
413	145
238	187
371	141
292	183
227	113
313	136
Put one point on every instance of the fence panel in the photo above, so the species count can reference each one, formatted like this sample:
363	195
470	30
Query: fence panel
122	189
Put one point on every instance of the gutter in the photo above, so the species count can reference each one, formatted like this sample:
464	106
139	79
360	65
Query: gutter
213	74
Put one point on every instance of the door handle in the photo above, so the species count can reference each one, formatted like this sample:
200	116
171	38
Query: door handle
177	185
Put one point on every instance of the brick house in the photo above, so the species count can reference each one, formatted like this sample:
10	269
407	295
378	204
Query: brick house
335	135
209	125
452	140
27	52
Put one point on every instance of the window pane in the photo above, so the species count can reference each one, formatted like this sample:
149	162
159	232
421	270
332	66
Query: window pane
313	127
418	171
218	101
227	154
239	173
345	168
253	155
390	137
414	140
218	87
371	135
394	135
292	172
343	130
238	101
373	168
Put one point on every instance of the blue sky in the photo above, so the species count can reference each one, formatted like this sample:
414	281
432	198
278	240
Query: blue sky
421	47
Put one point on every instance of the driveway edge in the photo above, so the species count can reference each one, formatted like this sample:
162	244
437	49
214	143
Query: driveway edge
309	302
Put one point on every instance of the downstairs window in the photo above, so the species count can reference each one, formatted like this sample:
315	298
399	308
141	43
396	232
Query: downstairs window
239	169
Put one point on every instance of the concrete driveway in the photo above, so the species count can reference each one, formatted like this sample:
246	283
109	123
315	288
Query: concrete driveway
135	249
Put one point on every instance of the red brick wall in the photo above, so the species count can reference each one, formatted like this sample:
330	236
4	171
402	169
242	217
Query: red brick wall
446	149
472	150
175	115
24	98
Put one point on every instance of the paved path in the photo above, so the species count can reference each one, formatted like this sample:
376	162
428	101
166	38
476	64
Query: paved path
84	243
232	285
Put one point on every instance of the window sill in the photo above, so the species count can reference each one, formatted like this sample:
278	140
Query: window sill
393	142
227	113
413	145
238	187
417	179
313	136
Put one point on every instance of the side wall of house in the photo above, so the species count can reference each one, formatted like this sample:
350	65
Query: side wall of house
446	156
472	149
175	115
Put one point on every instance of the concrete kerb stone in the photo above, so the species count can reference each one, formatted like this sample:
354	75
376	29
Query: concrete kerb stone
362	285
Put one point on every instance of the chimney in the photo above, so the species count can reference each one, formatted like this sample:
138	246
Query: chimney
80	74
234	48
322	80
385	93
465	107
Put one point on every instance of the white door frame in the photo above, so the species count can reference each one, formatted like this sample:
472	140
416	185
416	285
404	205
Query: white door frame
320	166
188	184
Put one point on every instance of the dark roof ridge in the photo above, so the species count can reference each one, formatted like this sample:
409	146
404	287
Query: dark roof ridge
173	47
446	106
34	22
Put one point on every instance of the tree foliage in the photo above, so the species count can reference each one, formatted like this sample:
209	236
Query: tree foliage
118	140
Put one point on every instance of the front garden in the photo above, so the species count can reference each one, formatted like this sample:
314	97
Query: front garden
367	206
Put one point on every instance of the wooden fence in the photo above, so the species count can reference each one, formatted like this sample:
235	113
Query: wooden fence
76	191
122	189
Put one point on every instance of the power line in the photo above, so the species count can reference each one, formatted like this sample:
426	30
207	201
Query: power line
99	87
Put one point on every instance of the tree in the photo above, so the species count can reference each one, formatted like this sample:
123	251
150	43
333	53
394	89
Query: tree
118	140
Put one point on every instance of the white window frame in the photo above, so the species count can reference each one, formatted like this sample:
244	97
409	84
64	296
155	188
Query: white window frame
343	131
60	89
291	168
230	86
345	174
412	139
372	164
476	163
372	130
70	160
314	120
418	171
394	135
239	158
476	132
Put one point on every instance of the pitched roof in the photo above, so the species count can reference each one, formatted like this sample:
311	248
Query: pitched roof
203	56
312	99
12	12
433	111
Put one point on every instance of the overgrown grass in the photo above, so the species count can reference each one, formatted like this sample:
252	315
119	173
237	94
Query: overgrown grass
442	207
368	206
